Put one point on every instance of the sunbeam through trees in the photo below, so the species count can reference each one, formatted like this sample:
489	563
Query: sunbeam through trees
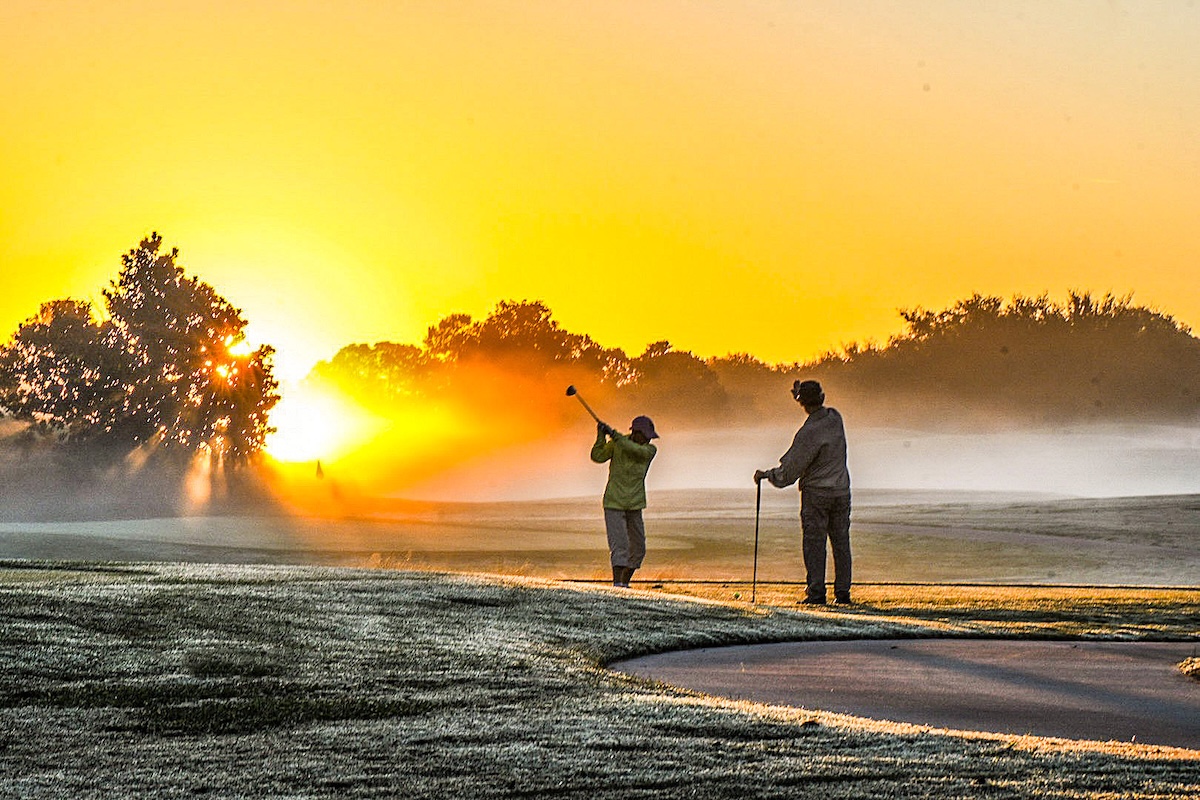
166	369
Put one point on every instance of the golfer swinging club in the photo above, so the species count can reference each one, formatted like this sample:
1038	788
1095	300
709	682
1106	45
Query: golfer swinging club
817	459
629	460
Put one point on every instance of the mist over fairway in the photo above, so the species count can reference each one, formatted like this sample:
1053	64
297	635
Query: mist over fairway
1106	505
693	535
1077	461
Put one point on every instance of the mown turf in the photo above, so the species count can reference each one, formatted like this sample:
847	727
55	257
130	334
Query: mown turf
174	681
1041	612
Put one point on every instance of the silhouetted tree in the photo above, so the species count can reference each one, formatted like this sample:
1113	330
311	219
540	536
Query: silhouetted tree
65	373
452	336
677	384
383	371
755	390
1088	359
502	369
516	331
168	368
1030	359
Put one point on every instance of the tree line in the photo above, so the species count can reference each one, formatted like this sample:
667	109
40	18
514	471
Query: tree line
165	370
1029	360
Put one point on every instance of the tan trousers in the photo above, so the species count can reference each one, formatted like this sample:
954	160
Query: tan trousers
626	537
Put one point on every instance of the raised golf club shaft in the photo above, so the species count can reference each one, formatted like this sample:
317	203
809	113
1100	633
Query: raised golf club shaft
573	392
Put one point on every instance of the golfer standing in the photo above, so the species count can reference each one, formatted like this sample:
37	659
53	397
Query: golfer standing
629	460
817	459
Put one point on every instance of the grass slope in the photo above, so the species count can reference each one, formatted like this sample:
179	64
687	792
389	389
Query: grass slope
179	681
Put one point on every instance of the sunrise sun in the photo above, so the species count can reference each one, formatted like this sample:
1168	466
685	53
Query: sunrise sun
313	423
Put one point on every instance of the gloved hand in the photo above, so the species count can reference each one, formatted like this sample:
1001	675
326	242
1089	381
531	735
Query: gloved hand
606	429
759	475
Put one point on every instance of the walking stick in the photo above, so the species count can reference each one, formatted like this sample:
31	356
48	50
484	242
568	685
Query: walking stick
757	506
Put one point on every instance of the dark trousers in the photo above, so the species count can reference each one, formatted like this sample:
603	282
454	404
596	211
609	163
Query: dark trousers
824	516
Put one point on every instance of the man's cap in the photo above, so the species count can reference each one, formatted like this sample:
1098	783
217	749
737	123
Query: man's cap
808	393
645	425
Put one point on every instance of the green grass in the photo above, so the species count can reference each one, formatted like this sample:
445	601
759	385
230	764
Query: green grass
287	681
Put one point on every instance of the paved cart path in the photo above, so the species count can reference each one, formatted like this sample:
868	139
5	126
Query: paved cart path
1124	691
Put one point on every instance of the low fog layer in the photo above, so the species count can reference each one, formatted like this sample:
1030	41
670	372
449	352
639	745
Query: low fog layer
962	507
1079	462
1091	461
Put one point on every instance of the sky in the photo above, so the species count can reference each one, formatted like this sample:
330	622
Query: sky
777	178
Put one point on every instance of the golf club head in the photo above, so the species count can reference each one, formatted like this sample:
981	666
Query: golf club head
573	392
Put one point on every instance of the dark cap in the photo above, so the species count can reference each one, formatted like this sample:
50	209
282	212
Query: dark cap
808	393
645	425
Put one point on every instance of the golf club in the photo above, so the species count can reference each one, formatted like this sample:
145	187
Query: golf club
757	506
573	392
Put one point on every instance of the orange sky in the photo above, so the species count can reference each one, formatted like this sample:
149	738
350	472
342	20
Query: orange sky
769	177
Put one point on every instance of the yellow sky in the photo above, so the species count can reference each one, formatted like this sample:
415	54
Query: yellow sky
771	177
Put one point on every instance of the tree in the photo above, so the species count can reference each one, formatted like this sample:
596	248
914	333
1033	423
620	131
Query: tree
1031	359
753	388
169	368
523	331
677	384
450	337
380	373
64	373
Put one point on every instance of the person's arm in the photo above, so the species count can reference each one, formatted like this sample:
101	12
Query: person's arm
794	462
602	450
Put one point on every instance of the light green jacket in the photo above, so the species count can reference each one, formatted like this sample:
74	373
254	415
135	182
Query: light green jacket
626	487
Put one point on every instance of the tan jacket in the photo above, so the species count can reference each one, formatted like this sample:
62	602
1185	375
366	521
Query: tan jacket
817	457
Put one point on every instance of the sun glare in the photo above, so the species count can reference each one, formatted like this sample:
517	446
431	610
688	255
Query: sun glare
314	424
238	349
